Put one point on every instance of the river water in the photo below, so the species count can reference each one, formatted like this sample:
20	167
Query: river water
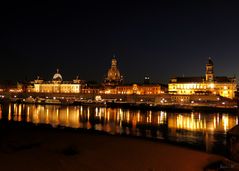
200	130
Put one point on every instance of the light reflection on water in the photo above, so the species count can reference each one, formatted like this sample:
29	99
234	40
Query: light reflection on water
204	130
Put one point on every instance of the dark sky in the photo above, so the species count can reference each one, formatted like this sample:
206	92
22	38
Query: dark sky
161	39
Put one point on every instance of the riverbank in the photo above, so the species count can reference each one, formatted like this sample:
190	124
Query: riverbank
175	107
166	102
28	147
138	106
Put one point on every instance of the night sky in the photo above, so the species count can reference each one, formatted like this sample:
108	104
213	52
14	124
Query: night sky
160	39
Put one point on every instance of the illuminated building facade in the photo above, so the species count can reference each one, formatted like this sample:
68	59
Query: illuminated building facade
136	89
209	84
57	85
113	77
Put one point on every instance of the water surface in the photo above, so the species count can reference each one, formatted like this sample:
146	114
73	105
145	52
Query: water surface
204	131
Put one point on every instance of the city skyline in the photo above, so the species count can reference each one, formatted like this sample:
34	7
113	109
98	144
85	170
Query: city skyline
119	85
158	39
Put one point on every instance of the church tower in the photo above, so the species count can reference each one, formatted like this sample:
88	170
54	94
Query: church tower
209	71
113	77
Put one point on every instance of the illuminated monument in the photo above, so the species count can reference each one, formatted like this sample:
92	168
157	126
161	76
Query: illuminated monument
209	84
57	85
57	78
113	77
209	71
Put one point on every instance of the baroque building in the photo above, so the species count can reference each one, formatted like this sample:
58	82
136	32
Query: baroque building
140	89
208	84
56	85
113	77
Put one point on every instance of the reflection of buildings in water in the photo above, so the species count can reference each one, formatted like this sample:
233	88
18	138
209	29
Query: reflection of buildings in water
134	121
198	128
47	114
68	116
162	118
9	113
116	117
149	117
188	122
88	113
115	120
199	122
127	117
107	127
28	114
138	117
17	112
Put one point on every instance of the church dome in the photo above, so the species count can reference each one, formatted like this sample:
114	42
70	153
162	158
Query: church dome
57	76
113	74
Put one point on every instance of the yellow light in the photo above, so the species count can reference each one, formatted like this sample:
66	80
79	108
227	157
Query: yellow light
225	122
211	85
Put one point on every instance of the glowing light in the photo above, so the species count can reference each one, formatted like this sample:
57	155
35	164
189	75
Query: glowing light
128	116
225	122
211	86
9	113
28	114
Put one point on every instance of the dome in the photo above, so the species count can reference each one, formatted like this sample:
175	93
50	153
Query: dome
113	74
57	76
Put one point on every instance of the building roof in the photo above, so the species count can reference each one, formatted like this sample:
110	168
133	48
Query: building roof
221	79
187	79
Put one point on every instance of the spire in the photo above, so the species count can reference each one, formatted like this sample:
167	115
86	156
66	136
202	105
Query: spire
210	60
209	70
114	61
114	55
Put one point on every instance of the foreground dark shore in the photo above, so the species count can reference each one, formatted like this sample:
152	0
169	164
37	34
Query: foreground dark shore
29	147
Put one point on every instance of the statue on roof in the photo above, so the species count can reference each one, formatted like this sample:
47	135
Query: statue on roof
57	78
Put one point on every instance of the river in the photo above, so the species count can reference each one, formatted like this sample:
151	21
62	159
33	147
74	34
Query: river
200	130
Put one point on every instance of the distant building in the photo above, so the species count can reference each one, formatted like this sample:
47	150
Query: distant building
209	84
114	76
140	89
56	85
